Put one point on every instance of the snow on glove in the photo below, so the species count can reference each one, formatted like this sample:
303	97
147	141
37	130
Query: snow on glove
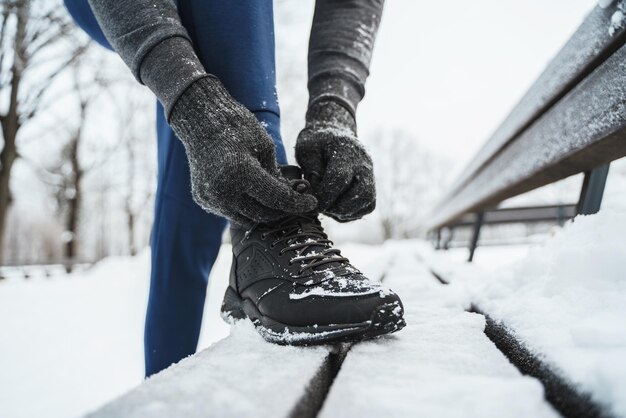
232	158
336	164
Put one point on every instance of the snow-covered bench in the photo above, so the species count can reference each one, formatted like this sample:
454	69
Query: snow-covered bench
441	364
572	120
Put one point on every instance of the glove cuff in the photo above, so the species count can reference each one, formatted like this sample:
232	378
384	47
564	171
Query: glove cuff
206	111
330	114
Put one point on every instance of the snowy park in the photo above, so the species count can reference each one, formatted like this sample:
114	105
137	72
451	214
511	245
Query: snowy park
462	256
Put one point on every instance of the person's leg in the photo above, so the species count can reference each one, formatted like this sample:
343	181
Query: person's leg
185	243
235	42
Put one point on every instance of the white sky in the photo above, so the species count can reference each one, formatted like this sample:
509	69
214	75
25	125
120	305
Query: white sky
450	71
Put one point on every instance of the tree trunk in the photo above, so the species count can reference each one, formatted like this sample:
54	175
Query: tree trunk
10	121
130	212
131	233
73	213
7	158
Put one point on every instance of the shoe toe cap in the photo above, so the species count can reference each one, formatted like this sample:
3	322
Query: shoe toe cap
317	308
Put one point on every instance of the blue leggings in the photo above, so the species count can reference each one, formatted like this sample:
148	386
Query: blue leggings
234	41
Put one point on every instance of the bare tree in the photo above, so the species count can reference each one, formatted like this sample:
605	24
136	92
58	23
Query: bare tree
37	43
65	177
133	204
68	191
408	180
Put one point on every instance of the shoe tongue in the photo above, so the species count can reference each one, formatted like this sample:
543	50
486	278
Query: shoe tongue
291	172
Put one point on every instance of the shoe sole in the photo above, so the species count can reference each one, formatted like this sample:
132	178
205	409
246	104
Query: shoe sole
385	319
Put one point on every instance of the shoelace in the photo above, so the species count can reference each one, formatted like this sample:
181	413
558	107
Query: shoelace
299	241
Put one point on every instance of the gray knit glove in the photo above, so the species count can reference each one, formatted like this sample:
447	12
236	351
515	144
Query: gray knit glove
336	164
232	158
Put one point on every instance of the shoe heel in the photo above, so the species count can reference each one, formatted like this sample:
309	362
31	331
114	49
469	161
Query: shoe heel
232	306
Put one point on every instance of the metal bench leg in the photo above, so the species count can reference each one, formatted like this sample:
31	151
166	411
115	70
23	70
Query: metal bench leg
449	238
438	239
593	190
478	223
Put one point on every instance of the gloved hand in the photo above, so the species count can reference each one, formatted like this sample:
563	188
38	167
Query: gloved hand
335	163
232	159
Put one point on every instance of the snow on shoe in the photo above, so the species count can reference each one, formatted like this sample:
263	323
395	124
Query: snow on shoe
297	289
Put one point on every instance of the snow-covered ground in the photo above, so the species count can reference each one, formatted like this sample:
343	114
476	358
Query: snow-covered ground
70	343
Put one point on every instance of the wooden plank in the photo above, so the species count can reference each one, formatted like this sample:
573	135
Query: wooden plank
536	324
565	396
239	376
527	214
586	129
441	364
244	376
590	45
572	390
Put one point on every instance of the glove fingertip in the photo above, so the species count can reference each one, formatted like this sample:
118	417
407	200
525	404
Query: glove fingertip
306	202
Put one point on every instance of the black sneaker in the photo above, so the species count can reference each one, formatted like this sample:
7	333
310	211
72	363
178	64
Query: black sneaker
297	289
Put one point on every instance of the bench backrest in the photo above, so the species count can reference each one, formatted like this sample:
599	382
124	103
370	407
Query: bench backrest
572	120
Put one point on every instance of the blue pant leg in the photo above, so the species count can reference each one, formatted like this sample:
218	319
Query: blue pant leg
235	41
185	243
178	285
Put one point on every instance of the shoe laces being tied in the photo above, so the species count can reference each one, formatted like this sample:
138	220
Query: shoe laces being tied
306	239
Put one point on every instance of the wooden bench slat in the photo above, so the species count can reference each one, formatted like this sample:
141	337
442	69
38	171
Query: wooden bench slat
587	128
239	376
527	214
441	364
538	335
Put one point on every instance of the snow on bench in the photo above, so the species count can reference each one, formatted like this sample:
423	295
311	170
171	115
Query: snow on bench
554	313
562	310
440	365
239	376
244	376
